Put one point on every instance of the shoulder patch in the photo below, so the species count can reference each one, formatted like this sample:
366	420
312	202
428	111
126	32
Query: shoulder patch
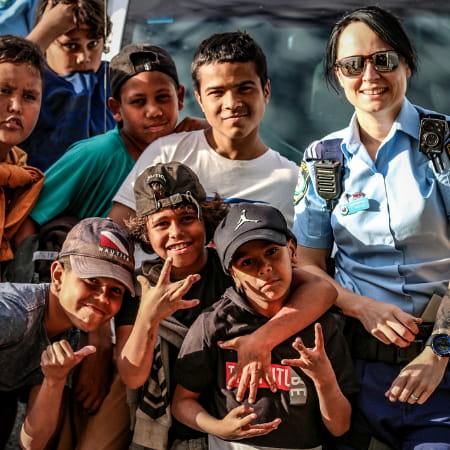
302	182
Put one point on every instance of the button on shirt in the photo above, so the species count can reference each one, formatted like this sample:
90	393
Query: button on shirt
397	250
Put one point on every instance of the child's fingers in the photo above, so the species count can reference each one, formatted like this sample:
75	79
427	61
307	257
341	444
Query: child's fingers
292	362
231	344
298	345
183	286
243	384
319	336
145	284
240	410
185	304
262	428
85	351
164	276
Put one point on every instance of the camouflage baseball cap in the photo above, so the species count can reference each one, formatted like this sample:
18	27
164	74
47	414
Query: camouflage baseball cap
178	183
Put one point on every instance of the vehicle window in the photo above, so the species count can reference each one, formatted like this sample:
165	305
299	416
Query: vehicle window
293	35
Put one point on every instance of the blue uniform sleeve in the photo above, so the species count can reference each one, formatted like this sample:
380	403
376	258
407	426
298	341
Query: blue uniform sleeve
312	226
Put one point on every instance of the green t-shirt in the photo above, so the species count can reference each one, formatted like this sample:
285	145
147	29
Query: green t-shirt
84	180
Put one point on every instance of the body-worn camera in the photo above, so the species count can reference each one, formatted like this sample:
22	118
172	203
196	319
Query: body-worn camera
433	134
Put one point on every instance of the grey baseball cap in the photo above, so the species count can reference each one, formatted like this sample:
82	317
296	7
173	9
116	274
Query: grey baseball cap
98	247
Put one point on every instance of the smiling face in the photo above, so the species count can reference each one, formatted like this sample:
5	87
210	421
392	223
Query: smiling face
375	93
178	233
264	271
148	107
232	99
20	102
75	51
85	303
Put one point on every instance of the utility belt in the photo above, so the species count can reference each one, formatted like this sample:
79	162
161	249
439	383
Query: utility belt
364	346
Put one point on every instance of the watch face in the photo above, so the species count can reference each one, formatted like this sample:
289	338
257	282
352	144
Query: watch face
441	345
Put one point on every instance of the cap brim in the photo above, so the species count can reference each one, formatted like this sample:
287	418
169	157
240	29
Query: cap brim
87	267
277	237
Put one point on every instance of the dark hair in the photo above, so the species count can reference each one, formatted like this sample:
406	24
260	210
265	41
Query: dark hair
236	46
86	12
17	50
212	212
385	24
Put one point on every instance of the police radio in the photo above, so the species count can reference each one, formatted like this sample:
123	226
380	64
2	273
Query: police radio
433	134
328	180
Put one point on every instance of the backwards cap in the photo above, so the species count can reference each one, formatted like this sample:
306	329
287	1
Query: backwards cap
137	58
178	181
99	247
247	222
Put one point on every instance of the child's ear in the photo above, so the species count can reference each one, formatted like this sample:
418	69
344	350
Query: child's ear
292	247
57	271
181	94
266	91
199	99
114	106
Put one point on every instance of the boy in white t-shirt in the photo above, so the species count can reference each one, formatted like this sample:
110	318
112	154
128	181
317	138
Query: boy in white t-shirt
232	87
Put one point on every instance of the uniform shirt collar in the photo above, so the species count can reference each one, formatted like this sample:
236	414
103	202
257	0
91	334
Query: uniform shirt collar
408	121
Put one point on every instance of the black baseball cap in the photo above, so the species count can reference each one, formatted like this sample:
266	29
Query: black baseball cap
137	58
246	222
179	183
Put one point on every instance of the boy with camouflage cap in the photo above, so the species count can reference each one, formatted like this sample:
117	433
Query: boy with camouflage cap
89	279
177	222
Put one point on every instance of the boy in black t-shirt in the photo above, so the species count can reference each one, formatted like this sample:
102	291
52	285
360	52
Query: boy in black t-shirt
176	220
257	249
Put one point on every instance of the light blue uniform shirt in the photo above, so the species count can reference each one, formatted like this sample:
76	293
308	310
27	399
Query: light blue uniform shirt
398	250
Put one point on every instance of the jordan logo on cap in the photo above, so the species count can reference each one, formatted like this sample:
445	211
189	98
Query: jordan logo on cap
243	219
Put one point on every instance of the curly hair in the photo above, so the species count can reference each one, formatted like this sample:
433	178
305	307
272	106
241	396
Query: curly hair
212	212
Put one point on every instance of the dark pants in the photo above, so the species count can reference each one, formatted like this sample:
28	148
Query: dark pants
401	425
8	402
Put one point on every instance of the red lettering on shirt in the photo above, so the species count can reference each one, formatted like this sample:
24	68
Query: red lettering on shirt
281	374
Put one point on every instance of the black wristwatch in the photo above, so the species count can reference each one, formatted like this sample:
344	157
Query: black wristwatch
440	344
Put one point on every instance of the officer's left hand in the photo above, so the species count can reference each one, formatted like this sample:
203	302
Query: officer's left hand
419	379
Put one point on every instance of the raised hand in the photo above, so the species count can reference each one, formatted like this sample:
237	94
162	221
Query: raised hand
166	297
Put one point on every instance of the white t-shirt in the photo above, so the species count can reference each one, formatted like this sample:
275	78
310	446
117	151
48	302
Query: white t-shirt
270	178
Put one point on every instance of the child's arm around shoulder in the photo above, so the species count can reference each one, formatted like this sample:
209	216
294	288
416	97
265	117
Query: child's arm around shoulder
236	425
311	297
44	403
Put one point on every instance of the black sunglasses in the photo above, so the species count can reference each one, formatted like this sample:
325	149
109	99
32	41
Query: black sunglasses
353	66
